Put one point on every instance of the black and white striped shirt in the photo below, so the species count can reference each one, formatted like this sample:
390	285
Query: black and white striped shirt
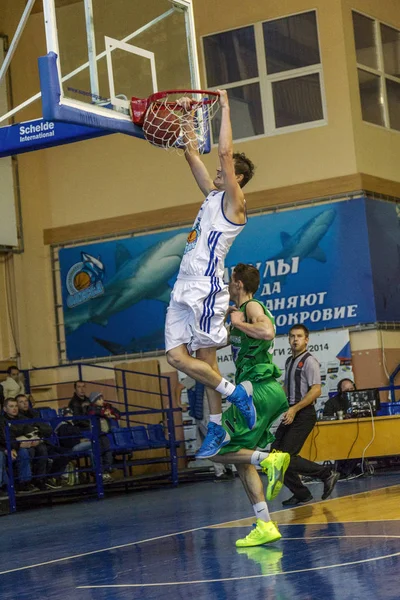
301	372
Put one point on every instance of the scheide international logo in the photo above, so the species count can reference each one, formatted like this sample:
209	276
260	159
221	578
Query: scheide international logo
84	280
36	131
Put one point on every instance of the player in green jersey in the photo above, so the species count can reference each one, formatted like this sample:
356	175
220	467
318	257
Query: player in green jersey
252	334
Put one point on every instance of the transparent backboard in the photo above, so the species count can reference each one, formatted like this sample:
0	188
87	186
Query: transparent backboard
111	50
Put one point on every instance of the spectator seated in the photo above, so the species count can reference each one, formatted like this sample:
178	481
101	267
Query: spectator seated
70	435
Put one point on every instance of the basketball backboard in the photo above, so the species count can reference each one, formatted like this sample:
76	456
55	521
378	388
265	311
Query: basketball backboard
102	52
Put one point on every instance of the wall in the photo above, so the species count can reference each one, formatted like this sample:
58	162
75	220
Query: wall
106	170
377	148
328	151
374	353
37	331
7	346
119	189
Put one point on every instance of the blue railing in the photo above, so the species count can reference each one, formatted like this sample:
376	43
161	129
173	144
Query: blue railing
132	413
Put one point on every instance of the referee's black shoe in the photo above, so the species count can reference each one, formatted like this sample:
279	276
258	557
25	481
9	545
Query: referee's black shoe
293	501
329	484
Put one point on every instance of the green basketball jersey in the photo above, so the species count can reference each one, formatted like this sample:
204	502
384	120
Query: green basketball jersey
253	358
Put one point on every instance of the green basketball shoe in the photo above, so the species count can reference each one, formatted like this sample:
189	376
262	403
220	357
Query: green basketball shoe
262	533
275	466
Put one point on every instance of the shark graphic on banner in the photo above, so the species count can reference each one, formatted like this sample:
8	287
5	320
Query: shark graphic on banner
304	243
141	278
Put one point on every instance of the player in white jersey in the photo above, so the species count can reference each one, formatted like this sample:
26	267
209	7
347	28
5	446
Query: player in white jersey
200	298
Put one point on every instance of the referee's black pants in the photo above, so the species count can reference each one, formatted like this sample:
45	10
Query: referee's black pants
290	438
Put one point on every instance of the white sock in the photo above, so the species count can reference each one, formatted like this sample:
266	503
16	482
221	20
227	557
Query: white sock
257	457
226	388
261	511
216	419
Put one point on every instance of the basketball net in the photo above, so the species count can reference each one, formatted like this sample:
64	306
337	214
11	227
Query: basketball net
176	120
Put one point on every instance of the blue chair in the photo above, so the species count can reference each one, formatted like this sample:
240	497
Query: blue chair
140	441
156	436
113	445
122	438
46	413
196	401
50	417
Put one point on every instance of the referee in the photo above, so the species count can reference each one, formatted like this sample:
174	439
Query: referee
303	387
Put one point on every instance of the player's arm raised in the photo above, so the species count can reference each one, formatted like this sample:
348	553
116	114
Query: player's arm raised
192	155
234	204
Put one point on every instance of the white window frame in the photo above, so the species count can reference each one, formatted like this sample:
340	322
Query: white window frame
265	81
380	71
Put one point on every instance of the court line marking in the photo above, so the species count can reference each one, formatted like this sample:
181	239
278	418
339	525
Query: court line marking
284	510
65	558
343	537
327	522
244	577
160	537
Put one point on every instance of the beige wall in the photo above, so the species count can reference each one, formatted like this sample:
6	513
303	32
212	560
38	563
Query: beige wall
118	175
33	300
311	154
7	346
377	148
37	332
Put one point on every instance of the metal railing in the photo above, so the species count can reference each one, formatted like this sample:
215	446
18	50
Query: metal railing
132	413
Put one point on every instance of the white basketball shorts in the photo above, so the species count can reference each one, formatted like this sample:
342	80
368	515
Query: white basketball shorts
196	313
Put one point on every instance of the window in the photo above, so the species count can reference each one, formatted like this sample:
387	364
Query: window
297	100
291	43
391	50
273	75
364	35
370	93
230	57
378	64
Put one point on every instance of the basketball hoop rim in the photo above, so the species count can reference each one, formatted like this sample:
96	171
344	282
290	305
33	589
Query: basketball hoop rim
156	113
160	95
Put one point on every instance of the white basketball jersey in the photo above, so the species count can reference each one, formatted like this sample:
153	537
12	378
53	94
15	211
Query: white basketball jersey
208	242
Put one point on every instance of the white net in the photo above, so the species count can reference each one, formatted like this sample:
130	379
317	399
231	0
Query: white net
180	120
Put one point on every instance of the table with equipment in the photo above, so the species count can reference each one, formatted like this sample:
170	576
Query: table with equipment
348	438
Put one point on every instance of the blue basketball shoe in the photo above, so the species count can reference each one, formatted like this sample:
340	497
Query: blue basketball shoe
215	439
242	398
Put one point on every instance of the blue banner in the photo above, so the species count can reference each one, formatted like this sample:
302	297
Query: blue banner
314	264
115	293
384	239
39	134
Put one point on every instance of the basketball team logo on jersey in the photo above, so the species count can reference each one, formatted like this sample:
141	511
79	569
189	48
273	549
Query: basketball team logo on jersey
196	230
84	280
193	237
